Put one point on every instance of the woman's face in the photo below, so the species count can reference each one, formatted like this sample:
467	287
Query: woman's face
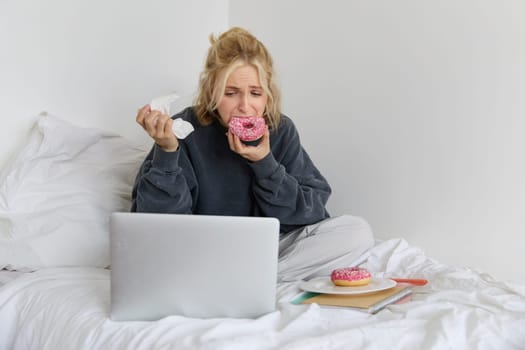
243	95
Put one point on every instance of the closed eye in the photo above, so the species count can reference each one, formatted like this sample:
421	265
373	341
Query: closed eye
230	92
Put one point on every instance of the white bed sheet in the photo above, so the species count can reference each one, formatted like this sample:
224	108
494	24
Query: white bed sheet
67	308
8	276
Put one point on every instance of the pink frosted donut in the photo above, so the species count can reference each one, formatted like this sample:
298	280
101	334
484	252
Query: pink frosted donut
350	276
248	128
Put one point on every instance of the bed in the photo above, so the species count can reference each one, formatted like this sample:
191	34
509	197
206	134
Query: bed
55	198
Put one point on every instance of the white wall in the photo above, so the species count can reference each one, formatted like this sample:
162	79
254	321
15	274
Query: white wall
414	110
95	62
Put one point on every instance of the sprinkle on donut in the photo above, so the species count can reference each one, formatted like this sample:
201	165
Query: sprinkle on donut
248	128
350	276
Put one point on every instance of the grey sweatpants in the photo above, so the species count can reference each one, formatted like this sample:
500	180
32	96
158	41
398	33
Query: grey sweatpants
315	250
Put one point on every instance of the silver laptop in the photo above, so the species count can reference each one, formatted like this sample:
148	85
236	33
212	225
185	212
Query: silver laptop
192	265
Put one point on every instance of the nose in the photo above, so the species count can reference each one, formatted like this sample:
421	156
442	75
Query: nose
244	103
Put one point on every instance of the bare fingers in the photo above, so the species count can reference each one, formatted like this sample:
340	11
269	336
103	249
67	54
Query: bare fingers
252	153
141	115
158	126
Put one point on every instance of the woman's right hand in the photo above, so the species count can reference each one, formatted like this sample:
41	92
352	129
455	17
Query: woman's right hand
158	127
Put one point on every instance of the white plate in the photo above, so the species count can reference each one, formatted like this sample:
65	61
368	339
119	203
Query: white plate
325	285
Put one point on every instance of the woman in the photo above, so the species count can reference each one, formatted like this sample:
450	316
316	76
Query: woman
213	172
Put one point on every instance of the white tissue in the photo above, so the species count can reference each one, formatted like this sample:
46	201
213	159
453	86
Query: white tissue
181	128
163	103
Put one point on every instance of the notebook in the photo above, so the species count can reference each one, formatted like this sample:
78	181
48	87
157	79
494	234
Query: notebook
369	302
192	265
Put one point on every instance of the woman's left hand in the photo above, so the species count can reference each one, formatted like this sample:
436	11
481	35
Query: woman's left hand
252	153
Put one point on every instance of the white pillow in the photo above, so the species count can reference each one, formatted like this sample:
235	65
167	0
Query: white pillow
57	194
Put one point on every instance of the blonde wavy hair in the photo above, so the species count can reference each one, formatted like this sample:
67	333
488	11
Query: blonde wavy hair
232	49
